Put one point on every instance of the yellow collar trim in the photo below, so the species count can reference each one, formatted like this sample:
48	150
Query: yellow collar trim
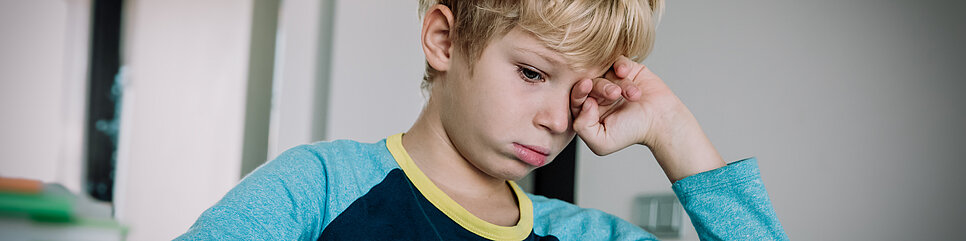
452	209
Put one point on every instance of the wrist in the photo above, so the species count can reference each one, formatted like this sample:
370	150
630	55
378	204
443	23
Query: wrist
667	123
680	145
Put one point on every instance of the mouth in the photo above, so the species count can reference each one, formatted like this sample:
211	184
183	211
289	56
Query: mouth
533	155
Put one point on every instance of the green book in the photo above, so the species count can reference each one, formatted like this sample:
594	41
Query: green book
53	204
56	214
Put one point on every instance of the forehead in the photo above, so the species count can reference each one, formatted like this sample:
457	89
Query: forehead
521	41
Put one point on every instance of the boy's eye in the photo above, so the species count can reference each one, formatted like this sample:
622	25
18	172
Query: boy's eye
530	75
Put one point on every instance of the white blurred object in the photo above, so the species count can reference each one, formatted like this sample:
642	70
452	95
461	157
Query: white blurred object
660	214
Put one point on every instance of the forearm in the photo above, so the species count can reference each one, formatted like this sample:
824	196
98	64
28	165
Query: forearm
680	145
730	203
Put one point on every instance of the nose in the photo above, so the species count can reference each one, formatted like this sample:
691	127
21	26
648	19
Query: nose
554	115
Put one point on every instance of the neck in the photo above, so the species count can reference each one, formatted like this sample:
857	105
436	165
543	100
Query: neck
434	153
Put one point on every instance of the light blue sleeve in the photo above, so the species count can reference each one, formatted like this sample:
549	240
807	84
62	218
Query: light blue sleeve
281	200
730	203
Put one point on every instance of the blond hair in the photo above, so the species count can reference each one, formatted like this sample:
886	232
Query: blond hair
588	33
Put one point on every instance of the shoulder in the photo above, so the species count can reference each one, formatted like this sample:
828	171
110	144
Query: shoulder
296	193
329	163
339	157
571	222
340	149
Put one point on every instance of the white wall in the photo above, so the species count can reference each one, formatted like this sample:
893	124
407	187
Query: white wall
854	109
365	86
300	86
377	65
43	83
182	119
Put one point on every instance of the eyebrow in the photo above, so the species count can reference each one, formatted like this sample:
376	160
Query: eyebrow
553	62
547	58
543	56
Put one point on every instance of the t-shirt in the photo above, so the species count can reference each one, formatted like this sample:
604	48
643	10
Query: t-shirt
346	190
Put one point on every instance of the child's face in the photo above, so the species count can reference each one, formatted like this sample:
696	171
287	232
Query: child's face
512	115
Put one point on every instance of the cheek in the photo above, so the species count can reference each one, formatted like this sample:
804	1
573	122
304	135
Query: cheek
518	104
501	96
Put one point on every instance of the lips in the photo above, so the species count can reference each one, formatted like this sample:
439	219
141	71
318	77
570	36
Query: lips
533	155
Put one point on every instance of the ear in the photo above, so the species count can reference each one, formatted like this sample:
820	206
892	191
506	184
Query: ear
437	45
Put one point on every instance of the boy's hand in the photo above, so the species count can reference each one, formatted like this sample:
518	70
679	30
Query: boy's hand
632	105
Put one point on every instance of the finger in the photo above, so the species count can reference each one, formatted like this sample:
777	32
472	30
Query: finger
605	91
630	91
623	67
578	94
622	71
587	124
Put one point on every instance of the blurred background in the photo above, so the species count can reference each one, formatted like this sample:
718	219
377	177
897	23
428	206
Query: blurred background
855	109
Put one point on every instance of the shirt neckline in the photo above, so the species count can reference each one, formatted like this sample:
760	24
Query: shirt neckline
452	209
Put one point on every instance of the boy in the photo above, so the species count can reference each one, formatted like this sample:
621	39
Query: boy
510	84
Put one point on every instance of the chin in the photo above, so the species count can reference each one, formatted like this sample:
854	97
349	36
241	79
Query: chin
515	170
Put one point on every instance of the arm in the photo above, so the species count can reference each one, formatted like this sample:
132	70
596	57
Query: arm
730	203
280	200
724	201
